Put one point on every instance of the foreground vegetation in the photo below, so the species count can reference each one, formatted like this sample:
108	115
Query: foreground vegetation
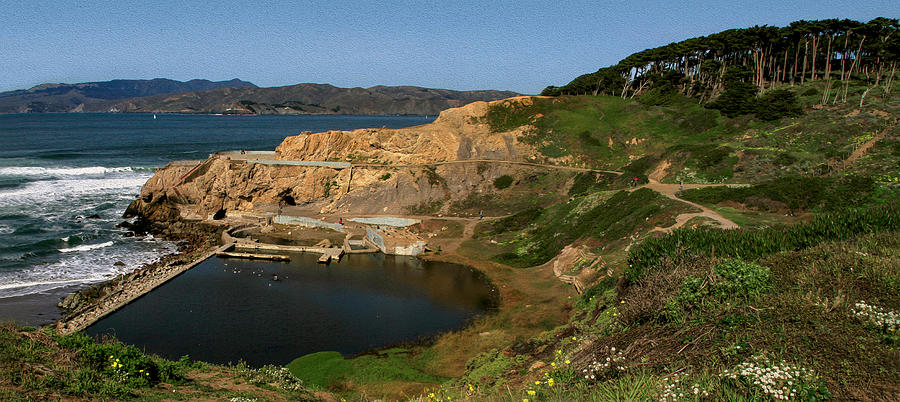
41	365
808	320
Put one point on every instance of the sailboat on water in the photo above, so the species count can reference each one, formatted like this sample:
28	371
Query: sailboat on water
154	116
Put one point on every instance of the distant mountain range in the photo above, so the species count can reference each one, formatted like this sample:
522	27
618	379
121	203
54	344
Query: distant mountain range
235	97
74	97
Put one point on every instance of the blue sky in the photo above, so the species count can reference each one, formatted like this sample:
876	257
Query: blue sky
519	45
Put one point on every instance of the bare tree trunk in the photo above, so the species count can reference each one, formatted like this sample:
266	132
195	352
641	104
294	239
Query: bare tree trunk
773	67
826	92
879	72
844	54
784	66
889	82
805	53
828	58
856	62
627	81
863	97
815	48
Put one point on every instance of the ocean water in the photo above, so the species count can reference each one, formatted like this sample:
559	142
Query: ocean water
66	179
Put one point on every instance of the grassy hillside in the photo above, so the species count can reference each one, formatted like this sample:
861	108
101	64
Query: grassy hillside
702	146
801	304
806	324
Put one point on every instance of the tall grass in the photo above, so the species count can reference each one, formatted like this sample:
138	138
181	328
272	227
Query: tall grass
752	244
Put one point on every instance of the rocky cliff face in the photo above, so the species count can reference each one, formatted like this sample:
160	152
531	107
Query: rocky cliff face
394	171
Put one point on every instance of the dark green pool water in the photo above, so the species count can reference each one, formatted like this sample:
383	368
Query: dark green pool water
225	310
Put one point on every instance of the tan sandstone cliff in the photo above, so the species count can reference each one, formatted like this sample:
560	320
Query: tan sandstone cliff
390	174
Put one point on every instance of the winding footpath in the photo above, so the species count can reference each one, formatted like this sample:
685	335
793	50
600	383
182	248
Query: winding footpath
669	190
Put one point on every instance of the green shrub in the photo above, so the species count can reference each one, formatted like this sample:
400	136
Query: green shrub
810	92
797	192
696	120
739	97
594	291
732	281
507	116
777	103
587	182
434	178
515	222
503	182
424	208
486	368
740	280
637	168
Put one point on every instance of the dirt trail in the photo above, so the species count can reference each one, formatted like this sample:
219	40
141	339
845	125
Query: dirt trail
669	190
468	233
861	151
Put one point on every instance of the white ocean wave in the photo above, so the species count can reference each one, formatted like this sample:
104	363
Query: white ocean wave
6	229
56	190
85	247
61	171
82	268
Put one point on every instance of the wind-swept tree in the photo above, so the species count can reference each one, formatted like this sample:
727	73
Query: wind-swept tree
804	50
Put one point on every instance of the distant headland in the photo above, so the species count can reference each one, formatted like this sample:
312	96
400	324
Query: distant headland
235	97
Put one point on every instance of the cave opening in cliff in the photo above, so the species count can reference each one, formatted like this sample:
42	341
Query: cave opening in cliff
288	200
219	214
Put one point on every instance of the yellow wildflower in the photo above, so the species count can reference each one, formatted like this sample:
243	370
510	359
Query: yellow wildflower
567	361
531	392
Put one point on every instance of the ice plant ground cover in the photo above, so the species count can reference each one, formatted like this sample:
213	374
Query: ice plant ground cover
884	319
778	380
677	387
607	367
